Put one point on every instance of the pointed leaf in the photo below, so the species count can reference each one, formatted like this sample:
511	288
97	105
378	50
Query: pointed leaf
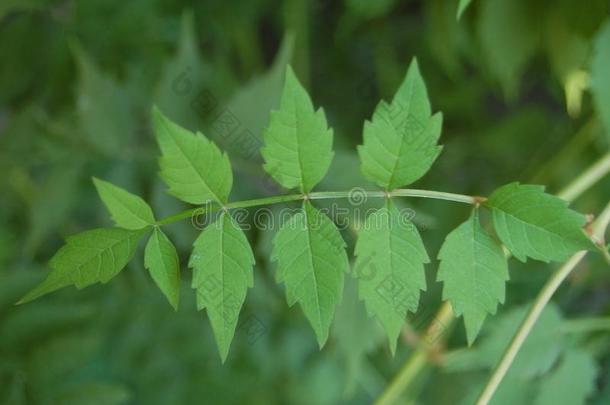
351	347
195	170
298	142
509	35
100	96
179	91
400	142
90	257
311	261
600	79
534	224
222	261
161	259
128	210
390	268
462	6
474	271
252	102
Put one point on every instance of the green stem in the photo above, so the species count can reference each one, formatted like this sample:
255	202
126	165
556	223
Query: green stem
587	179
323	195
410	370
438	195
418	360
540	303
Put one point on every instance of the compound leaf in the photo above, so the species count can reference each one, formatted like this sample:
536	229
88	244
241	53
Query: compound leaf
94	256
390	268
534	224
298	142
192	166
161	259
222	261
311	261
127	210
474	271
400	142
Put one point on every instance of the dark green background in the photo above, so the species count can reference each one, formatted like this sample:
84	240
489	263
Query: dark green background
77	82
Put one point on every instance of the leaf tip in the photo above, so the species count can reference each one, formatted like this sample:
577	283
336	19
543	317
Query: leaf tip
175	303
414	66
393	344
473	326
154	110
321	335
290	75
30	296
224	353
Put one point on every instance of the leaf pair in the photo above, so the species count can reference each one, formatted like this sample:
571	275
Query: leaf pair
196	171
530	223
308	248
400	146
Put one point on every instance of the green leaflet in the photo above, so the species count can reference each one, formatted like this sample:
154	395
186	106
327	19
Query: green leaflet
99	97
311	261
298	142
183	77
462	6
194	169
474	271
94	256
508	35
600	79
252	102
400	142
534	224
571	382
390	268
352	347
161	259
222	261
128	210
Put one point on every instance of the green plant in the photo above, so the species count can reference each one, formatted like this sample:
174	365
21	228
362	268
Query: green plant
400	146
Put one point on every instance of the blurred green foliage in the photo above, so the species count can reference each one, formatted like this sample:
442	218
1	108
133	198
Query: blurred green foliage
523	86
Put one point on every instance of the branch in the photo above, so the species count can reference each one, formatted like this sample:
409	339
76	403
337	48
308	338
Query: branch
324	195
540	303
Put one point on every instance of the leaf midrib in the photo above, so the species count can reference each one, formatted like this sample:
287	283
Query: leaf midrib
313	269
402	135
